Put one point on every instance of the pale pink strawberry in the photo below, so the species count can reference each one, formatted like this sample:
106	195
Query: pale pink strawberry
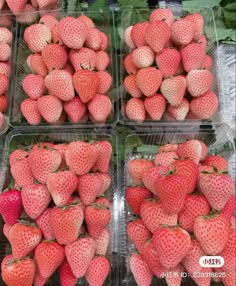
5	52
67	278
84	58
233	222
135	109
165	159
150	176
39	280
105	41
103	150
198	21
138	34
6	230
229	278
127	37
45	4
131	87
137	167
37	36
102	242
54	56
230	207
100	108
207	63
2	2
216	161
17	155
50	108
49	21
37	65
173	277
43	222
104	82
5	35
55	35
93	39
162	14
30	111
21	172
106	182
129	65
98	271
205	106
5	69
199	82
16	6
4	83
143	57
102	60
168	61
34	86
155	106
167	148
182	31
75	109
103	201
194	150
88	21
28	15
180	112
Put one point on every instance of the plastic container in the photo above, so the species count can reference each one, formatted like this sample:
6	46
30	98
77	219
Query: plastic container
23	138
130	17
103	20
220	141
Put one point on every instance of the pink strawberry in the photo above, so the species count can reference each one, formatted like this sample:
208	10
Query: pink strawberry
153	215
6	229
5	52
157	35
198	22
5	35
162	14
56	39
193	150
168	61
30	111
80	157
48	20
105	41
24	237
216	161
37	65
73	32
199	82
11	206
182	31
135	110
135	197
50	108
45	4
16	6
139	268
104	152
127	37
106	182
43	222
102	60
88	21
39	280
102	242
143	57
104	82
155	106
230	207
4	83
75	109
103	201
54	56
28	15
229	278
67	278
131	87
100	108
172	243
212	232
165	159
93	39
150	176
167	148
174	89
205	106
192	56
17	155
129	65
179	112
207	63
37	36
79	254
85	83
5	69
138	34
34	86
174	276
68	68
21	172
84	58
98	271
137	167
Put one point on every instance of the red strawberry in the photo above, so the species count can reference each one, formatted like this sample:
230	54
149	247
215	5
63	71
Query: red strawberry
216	161
24	237
44	161
138	233
49	21
102	60
127	37
75	109
207	63
193	150
100	108
179	112
138	34
199	82
129	65
229	252
230	207
135	197
182	31
149	80
21	172
11	206
105	41
43	222
195	205
88	21
5	35
137	167
49	255
18	272
16	6
150	176
143	57
168	61
34	86
66	223
5	52
106	183
97	216
192	56
5	69
85	83
61	186
93	39
37	65
46	4
157	35
172	243
153	215
155	106
37	36
67	278
165	159
135	110
162	14
102	242
198	21
84	58
50	108
98	271
30	111
54	56
104	152
174	89
4	83
131	87
104	82
79	254
73	32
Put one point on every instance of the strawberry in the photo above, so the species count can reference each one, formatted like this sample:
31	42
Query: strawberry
139	268
85	83
143	57
48	20
66	223
54	56
6	229
104	82
49	255
21	172
162	14
193	150
207	63
17	155
98	271
3	103
155	106
157	35
56	39
37	65
137	167
29	15
75	109
165	159
217	188
39	280
102	242
37	36
5	69
229	252
69	69
80	157
194	205
50	108
102	60
43	222
192	56
127	37
93	39
43	161
135	109
97	216
174	276
100	108
129	65
131	87
229	278
138	34
105	41
179	112
138	233
205	106
4	83
230	207
30	111
5	35
135	197
174	89
212	232
198	22
167	148
182	31
153	215
103	201
18	272
168	61
11	206
73	32
5	52
216	161
88	21
150	176
104	152
67	278
16	6
34	86
84	58
24	237
46	4
106	183
79	254
199	82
